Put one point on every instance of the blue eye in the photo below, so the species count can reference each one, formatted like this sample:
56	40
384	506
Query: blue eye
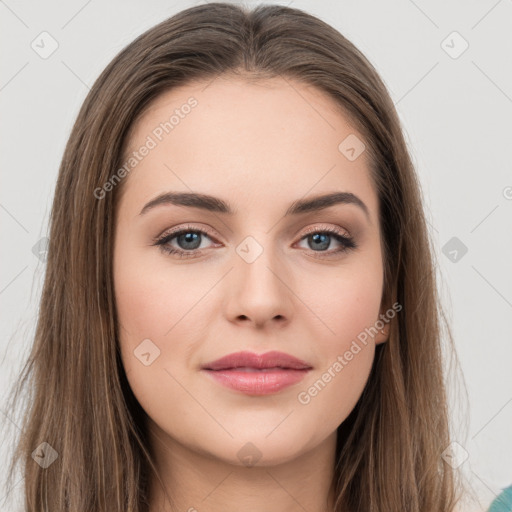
189	239
321	239
189	242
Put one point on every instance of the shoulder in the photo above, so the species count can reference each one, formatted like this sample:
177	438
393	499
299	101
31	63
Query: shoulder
503	502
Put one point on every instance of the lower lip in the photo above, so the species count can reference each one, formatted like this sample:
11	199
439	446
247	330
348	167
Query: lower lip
258	382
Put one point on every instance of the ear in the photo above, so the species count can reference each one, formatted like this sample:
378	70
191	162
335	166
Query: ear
383	335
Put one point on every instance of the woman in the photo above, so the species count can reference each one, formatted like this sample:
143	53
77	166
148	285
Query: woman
240	308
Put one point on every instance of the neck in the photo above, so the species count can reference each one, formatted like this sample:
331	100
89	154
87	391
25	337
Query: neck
195	482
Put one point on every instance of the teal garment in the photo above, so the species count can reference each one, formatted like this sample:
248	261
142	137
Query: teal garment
503	502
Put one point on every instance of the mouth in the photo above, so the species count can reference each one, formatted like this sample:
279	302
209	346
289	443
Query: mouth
252	381
255	374
251	369
250	360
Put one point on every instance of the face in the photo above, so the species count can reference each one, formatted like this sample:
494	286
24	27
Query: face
250	271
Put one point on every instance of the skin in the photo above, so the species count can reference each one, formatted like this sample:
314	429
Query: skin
259	147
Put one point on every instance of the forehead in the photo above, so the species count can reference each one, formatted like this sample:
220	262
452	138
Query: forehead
260	141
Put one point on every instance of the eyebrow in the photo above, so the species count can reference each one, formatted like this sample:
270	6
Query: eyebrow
217	205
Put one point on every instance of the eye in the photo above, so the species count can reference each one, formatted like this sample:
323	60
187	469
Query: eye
187	239
319	240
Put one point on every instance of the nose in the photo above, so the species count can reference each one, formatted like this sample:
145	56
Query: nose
259	292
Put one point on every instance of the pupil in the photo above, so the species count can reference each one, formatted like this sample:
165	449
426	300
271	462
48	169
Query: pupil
321	240
190	238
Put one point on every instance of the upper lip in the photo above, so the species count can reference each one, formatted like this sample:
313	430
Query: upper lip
273	359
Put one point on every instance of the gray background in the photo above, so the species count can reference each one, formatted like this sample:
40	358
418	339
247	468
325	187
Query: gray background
456	110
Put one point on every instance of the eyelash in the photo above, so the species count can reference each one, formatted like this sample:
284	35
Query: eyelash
347	243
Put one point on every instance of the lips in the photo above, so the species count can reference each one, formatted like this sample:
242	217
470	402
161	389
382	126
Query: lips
251	361
254	374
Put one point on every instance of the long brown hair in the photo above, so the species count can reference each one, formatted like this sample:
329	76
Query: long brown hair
389	450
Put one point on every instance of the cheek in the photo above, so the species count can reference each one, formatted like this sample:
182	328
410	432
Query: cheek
346	305
143	305
148	307
151	299
343	301
162	315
